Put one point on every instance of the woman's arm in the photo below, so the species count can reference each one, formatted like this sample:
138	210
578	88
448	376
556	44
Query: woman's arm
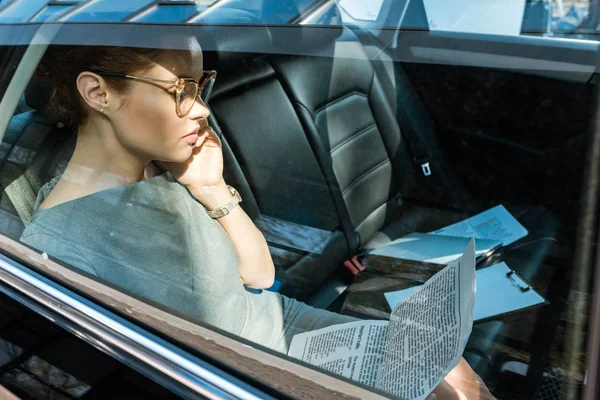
256	266
202	173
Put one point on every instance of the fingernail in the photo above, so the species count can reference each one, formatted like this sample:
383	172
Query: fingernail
432	396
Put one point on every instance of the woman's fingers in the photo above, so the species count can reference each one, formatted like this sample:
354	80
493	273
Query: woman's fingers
463	378
444	391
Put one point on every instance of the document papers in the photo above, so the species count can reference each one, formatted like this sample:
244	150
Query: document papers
436	249
409	356
497	293
496	224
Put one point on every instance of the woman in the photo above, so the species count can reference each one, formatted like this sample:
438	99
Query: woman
177	238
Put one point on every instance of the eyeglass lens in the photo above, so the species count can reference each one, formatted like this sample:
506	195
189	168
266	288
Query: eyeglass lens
189	92
187	97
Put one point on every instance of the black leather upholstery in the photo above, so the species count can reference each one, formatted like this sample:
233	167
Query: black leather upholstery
351	122
259	122
269	157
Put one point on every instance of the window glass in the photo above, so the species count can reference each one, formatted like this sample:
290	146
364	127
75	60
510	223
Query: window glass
266	181
519	17
356	10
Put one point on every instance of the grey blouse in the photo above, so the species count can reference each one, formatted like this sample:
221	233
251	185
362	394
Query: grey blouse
153	240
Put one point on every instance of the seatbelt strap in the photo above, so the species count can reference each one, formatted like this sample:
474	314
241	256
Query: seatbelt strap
22	192
420	151
22	196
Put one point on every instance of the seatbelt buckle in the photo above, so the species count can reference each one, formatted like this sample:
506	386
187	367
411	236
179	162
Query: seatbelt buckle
350	267
424	163
354	266
359	266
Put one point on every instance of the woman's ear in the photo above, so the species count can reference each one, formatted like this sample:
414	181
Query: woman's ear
93	91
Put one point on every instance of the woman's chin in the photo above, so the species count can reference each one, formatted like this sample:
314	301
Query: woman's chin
179	156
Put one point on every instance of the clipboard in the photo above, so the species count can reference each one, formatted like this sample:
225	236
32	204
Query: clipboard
499	291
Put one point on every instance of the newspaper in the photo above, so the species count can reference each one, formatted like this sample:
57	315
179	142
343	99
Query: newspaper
412	353
495	224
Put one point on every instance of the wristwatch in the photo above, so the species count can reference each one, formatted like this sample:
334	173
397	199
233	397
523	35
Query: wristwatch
226	209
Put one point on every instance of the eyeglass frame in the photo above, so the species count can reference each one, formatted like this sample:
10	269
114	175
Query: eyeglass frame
179	83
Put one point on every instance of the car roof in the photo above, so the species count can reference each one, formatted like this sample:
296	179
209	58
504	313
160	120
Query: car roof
142	11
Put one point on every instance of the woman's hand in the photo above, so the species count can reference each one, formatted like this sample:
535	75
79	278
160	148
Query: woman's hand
204	169
444	391
462	383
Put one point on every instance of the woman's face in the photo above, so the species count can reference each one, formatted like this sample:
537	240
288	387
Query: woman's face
148	124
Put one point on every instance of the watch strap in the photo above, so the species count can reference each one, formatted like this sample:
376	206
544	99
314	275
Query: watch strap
226	209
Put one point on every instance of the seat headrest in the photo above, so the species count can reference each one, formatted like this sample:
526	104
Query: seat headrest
315	31
231	36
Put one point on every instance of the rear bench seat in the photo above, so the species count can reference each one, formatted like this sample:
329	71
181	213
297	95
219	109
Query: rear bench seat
356	136
316	143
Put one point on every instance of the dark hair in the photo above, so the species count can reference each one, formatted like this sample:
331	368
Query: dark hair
61	65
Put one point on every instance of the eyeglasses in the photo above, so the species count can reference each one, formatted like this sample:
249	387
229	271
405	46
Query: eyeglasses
187	90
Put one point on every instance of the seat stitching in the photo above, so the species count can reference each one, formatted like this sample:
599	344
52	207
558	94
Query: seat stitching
332	102
363	175
353	137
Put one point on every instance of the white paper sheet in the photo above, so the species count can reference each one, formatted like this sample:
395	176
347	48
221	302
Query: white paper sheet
353	350
436	249
429	330
496	294
410	355
494	224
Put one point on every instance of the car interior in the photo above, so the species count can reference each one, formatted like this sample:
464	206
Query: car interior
337	148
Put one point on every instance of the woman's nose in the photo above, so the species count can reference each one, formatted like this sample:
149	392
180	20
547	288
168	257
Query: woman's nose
199	110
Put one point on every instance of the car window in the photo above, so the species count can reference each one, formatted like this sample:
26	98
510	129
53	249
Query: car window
554	19
370	204
355	11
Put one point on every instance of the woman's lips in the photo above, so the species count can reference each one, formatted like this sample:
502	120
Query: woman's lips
202	131
191	139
